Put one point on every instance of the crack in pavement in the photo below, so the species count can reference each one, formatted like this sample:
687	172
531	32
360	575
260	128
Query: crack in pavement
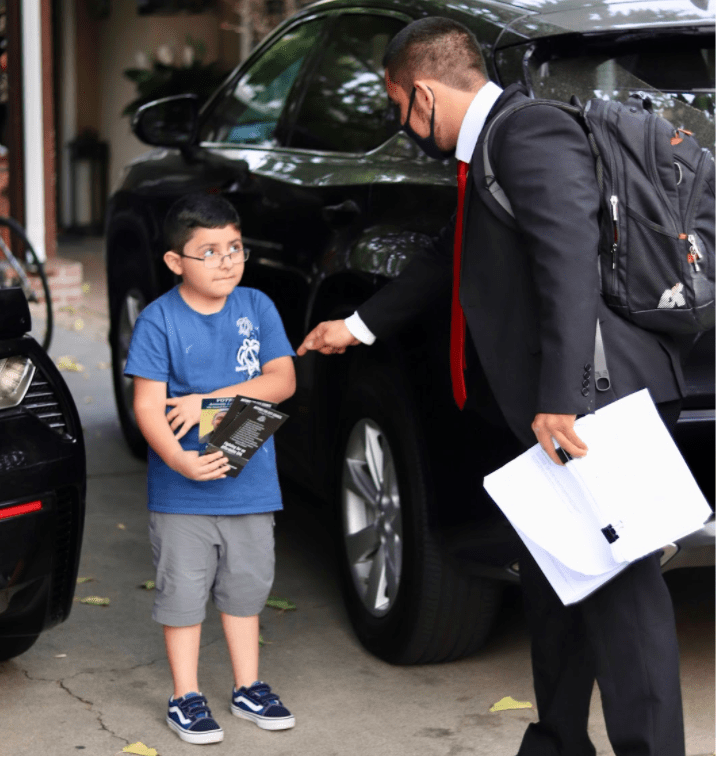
121	670
36	678
97	713
90	704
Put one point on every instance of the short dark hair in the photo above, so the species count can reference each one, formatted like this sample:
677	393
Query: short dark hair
438	47
196	211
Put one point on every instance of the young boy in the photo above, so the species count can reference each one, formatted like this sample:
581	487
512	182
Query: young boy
208	337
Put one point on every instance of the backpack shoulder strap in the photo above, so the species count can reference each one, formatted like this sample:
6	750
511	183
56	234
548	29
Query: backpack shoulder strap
491	183
602	375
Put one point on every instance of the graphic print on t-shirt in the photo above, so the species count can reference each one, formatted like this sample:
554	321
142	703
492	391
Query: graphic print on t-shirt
248	353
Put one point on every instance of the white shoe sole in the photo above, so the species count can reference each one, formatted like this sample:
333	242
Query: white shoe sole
196	738
288	722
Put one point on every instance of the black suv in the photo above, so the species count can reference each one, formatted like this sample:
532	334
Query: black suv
42	484
334	200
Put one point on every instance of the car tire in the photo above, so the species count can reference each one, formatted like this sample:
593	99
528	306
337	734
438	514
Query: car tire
407	601
11	647
129	298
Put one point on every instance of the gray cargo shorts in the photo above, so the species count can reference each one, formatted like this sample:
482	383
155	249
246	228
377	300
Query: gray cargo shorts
231	556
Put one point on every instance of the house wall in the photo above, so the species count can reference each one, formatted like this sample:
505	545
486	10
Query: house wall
124	39
127	40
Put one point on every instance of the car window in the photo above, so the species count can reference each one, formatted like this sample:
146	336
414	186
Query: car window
345	107
249	113
679	78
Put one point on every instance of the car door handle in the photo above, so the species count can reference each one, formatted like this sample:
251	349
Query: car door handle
341	215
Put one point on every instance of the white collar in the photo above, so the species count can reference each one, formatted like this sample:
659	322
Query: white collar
474	120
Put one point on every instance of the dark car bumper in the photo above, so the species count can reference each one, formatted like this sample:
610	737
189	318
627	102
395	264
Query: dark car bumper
42	499
695	436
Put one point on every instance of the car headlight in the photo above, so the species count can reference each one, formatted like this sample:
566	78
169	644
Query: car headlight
16	373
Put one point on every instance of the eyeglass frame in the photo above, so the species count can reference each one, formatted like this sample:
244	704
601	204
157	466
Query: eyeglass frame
245	251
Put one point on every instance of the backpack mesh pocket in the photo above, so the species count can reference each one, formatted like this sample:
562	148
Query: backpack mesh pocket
657	277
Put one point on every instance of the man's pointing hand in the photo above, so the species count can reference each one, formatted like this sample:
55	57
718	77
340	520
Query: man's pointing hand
328	337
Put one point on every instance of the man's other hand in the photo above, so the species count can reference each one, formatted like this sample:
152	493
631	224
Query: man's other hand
560	427
328	337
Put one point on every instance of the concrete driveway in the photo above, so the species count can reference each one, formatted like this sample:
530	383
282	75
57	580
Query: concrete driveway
100	681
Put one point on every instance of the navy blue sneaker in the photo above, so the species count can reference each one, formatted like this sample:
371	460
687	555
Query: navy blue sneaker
259	704
190	717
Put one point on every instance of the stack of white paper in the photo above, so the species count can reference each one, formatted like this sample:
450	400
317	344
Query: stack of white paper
633	479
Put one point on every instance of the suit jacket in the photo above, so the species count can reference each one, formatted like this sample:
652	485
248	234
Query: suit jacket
530	288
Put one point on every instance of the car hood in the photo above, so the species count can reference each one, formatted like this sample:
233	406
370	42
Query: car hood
548	17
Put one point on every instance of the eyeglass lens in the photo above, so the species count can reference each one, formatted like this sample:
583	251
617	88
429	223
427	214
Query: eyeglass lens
214	260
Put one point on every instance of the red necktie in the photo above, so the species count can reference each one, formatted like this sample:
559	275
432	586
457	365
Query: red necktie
457	317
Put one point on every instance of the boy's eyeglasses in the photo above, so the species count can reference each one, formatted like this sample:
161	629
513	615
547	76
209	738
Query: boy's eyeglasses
214	260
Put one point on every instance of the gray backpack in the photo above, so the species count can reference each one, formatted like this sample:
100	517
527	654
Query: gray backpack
657	225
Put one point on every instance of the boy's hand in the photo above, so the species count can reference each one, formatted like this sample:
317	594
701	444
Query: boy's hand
201	468
185	413
328	337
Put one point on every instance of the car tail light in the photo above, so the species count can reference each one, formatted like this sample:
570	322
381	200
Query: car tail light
16	373
18	510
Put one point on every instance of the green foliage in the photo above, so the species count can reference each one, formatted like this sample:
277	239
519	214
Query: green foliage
281	603
163	80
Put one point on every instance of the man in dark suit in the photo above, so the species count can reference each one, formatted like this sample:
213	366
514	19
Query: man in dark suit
529	289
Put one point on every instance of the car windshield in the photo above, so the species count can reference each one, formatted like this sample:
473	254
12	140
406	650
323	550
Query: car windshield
679	79
250	111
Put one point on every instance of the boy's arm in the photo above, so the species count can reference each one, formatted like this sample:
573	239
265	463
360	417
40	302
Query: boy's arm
276	383
149	405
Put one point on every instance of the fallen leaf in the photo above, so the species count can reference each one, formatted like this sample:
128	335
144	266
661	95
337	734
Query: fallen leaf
83	579
67	309
138	748
67	363
281	603
149	585
509	704
95	600
262	641
79	325
121	526
86	287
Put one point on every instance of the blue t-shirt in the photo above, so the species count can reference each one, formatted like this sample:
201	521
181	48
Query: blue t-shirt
197	353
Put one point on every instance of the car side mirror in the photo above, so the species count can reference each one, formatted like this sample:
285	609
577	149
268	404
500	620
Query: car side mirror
170	122
14	313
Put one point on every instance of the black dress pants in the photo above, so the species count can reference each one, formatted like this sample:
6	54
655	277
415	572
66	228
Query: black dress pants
624	637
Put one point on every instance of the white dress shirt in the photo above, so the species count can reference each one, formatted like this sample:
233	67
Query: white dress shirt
472	124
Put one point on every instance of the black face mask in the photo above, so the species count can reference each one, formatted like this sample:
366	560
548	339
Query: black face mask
427	144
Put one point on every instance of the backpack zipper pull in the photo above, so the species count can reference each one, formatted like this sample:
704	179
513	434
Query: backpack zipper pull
694	247
694	255
616	231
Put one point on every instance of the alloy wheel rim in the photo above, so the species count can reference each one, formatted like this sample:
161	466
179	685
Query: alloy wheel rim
371	517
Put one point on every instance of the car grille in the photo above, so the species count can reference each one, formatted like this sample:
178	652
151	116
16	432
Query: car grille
66	529
42	402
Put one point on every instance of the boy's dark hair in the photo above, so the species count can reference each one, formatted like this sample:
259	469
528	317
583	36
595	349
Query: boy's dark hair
196	211
436	47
